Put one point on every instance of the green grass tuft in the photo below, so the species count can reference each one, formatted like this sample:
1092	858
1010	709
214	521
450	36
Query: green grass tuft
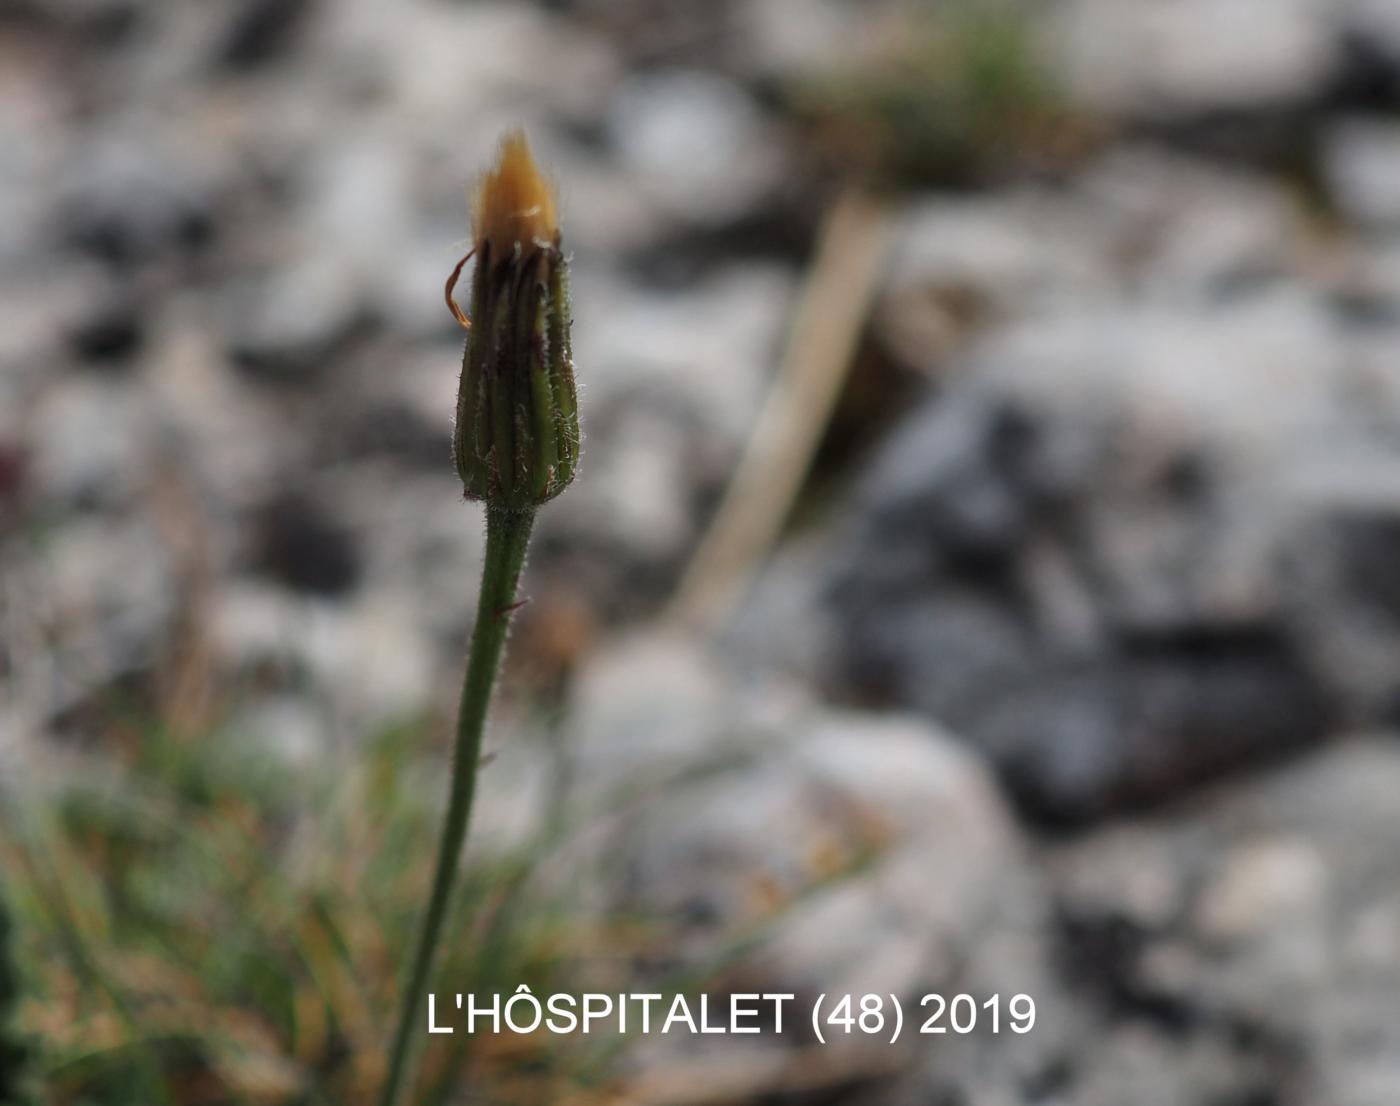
201	926
962	95
16	1050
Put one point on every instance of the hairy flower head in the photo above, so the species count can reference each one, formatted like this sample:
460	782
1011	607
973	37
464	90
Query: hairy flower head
516	440
514	203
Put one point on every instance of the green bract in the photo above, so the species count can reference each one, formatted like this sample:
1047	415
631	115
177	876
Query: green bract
517	436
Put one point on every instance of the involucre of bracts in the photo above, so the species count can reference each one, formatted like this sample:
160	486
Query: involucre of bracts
516	440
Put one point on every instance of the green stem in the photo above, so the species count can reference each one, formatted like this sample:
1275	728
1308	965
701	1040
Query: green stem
507	535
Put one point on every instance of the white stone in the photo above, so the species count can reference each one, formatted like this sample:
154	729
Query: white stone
697	142
1149	57
1361	162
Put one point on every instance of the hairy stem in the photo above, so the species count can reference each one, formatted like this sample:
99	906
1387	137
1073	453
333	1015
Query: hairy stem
507	535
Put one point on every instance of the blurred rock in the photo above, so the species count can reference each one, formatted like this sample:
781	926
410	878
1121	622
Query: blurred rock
412	61
1175	228
106	327
648	707
218	427
91	444
1138	223
944	862
299	543
364	664
1361	159
1129	1062
104	630
1282	926
1146	60
34	311
398	431
787	36
260	30
35	143
848	852
417	537
1372	30
1004	251
1106	554
291	326
126	197
1344	591
697	143
871	854
288	729
14	472
16	751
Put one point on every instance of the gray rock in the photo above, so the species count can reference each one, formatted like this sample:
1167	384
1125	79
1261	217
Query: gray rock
36	151
872	853
1269	918
1343	589
959	262
131	193
91	444
104	319
411	61
368	660
1361	158
698	143
292	325
1108	553
1138	224
1373	28
648	706
16	751
1178	229
1129	1063
1017	249
291	731
260	31
783	38
300	542
102	630
214	425
842	851
1147	60
418	540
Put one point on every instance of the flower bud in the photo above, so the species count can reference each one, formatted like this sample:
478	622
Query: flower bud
516	440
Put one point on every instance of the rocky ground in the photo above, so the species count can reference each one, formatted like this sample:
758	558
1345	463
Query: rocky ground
1076	674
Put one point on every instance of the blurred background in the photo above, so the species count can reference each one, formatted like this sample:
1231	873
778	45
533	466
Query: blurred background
983	577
